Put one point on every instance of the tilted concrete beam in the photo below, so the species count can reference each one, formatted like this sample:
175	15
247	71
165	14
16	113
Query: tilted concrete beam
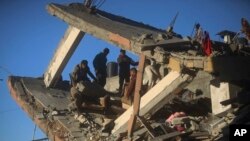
152	99
64	51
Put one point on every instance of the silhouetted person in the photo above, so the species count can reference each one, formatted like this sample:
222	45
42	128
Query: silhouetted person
198	33
100	66
124	63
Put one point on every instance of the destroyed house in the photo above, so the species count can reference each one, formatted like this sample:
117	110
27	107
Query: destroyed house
209	108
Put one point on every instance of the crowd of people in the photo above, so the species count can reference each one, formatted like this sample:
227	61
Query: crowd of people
127	75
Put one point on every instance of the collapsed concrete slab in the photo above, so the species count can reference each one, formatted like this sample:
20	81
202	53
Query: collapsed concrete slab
152	99
221	65
122	32
196	87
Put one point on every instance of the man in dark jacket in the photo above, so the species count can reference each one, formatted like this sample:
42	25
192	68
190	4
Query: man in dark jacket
99	64
81	72
124	67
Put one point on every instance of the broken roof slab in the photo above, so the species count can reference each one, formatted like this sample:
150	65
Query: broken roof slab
125	33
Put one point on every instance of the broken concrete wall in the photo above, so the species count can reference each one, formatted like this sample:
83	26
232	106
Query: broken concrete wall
201	82
219	92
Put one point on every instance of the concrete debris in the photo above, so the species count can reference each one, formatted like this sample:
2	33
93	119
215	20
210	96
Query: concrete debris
80	118
54	113
40	116
99	120
104	134
204	86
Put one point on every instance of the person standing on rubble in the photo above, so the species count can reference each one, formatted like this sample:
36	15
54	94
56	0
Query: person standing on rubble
203	39
100	66
124	68
206	44
151	75
245	28
198	33
81	72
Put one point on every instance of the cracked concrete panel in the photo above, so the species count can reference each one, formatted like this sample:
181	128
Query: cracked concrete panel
219	94
201	83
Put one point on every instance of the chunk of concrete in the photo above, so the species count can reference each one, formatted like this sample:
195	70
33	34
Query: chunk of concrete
219	92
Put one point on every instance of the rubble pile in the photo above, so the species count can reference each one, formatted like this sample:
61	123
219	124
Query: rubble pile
201	87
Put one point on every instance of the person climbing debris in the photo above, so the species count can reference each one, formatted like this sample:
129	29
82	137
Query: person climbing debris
84	94
151	75
81	72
